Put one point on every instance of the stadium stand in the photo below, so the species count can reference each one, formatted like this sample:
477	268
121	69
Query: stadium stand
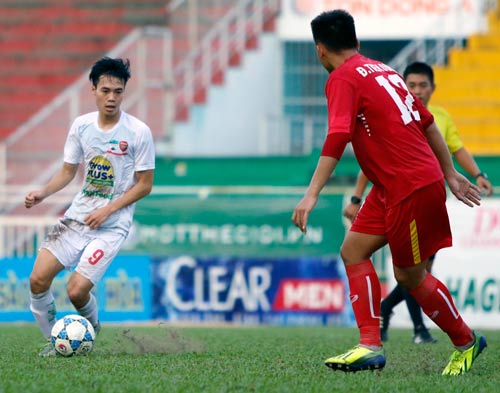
50	29
209	37
63	20
59	36
45	45
469	88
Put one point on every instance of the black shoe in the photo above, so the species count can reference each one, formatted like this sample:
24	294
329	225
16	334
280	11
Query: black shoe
423	337
383	335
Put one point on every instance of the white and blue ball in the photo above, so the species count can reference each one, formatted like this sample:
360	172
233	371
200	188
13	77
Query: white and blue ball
73	335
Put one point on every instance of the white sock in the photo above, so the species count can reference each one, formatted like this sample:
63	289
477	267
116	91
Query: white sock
43	307
89	311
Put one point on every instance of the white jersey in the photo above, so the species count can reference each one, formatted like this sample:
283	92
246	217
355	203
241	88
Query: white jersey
111	159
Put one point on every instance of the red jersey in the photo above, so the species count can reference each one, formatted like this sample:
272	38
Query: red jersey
370	101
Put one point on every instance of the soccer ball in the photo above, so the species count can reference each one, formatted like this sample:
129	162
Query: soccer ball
73	335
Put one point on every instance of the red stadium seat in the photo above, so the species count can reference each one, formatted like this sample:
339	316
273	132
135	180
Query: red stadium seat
47	44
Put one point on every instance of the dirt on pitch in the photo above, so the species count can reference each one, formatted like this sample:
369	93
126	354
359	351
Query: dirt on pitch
164	339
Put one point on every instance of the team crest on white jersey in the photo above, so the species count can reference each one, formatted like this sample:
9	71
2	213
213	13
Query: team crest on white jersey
118	148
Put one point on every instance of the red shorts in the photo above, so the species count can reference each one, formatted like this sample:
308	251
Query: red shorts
415	228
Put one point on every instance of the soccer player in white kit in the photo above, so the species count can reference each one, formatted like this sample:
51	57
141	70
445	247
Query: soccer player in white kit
118	153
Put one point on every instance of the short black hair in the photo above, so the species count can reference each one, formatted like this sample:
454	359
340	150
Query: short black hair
335	29
419	67
118	68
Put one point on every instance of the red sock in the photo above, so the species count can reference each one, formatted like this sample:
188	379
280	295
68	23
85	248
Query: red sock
437	303
365	298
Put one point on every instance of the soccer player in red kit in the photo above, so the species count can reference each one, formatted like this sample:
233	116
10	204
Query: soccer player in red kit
401	151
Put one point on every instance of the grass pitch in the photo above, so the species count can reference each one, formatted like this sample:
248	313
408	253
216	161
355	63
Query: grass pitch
208	359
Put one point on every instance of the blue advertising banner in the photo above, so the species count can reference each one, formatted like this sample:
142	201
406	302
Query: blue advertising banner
250	291
124	293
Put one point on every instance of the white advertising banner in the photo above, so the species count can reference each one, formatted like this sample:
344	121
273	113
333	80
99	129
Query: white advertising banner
471	268
389	19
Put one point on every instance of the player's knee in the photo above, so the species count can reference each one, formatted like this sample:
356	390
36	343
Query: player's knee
404	281
409	279
77	294
345	255
38	284
351	254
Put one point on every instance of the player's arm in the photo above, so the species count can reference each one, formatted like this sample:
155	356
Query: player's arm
325	167
60	180
139	190
352	208
462	155
332	151
467	162
462	188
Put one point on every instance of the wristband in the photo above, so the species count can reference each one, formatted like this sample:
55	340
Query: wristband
482	174
355	200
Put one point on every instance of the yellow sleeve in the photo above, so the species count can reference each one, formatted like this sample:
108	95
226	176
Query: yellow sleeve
447	127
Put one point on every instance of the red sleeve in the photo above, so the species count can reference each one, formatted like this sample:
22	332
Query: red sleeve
335	144
342	105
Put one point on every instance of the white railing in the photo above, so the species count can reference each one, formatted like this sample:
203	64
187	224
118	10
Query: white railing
291	135
32	153
21	236
294	135
435	51
213	53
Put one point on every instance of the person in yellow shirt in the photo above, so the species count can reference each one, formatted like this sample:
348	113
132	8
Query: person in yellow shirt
419	78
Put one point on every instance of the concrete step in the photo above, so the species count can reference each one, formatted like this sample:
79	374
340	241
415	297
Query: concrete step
448	91
35	81
487	119
471	112
483	129
45	45
493	18
484	41
479	58
50	15
66	31
466	74
29	4
483	148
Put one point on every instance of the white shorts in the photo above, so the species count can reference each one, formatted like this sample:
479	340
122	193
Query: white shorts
90	250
